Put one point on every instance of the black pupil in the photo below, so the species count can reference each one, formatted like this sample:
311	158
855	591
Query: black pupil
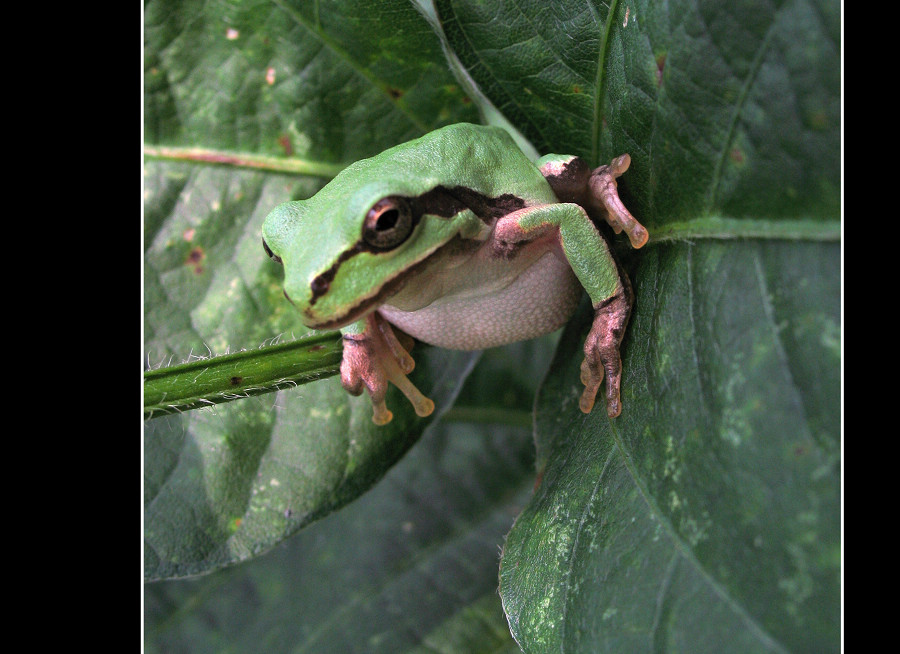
387	220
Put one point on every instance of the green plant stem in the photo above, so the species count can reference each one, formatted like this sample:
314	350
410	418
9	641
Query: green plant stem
234	376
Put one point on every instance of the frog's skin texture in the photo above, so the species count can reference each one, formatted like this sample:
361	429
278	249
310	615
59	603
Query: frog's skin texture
461	241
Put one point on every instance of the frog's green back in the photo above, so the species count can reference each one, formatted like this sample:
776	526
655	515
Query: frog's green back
483	158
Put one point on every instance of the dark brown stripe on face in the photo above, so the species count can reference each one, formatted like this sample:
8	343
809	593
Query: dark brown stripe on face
440	201
321	283
487	208
390	287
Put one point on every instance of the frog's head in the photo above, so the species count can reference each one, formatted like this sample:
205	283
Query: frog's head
353	244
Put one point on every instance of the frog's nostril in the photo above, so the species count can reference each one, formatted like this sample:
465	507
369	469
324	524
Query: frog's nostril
271	254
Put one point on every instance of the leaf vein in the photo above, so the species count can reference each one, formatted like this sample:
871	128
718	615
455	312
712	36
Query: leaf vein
738	108
511	98
333	45
661	604
701	392
582	521
681	548
781	351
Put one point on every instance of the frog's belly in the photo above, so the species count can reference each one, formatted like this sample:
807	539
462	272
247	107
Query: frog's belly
536	301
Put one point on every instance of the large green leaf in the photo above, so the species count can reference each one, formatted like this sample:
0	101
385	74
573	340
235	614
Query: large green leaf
706	517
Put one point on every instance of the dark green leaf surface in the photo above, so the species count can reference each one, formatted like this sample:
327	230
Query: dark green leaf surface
311	80
706	518
410	567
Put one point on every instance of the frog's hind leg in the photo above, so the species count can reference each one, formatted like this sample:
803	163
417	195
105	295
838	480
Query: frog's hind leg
373	356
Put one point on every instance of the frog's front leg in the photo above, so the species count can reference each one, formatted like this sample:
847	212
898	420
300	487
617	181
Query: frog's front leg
588	254
374	356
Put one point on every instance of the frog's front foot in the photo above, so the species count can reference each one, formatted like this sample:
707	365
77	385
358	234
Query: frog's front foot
374	357
605	189
601	353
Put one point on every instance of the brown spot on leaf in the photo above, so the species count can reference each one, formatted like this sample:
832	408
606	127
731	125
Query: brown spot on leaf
195	256
576	89
660	64
395	93
737	155
285	142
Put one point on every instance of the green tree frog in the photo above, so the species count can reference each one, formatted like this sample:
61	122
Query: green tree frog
461	241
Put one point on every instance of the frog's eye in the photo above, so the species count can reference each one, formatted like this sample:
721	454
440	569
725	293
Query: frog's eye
388	223
271	254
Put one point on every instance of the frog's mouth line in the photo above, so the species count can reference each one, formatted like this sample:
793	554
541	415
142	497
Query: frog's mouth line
388	289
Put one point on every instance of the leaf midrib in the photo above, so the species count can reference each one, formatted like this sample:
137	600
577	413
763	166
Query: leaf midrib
682	549
600	80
